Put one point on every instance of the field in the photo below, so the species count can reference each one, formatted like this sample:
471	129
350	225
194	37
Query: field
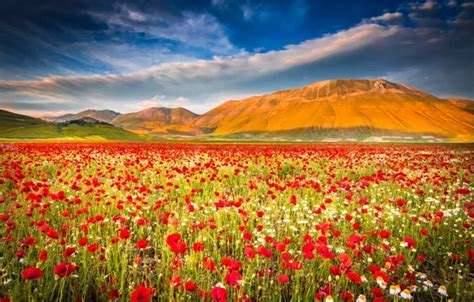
236	222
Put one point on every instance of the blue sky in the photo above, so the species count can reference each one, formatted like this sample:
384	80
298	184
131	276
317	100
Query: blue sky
62	56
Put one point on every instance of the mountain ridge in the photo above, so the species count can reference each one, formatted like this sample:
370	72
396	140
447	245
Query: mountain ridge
349	109
105	115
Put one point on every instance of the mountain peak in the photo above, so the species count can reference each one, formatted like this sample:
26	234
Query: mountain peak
105	115
345	87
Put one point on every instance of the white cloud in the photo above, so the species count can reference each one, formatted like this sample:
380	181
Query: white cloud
195	76
387	17
191	29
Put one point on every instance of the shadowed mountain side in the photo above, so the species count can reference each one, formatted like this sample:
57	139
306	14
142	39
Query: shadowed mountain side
17	126
101	115
466	105
158	120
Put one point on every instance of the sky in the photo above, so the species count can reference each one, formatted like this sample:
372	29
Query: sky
128	55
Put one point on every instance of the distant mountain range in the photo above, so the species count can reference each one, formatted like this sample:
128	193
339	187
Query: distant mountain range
335	110
101	115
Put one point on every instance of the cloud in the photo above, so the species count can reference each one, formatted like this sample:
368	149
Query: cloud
435	55
388	17
88	38
192	29
197	79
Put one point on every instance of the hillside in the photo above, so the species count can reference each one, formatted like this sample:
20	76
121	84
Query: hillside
158	120
17	126
101	115
466	105
340	108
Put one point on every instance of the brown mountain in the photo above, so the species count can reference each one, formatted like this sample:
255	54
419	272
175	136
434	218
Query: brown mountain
341	108
100	115
466	105
158	120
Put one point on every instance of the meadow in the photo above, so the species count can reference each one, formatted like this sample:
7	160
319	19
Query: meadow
236	222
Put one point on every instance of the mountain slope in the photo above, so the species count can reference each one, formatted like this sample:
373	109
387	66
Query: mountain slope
158	120
101	115
466	105
339	106
17	126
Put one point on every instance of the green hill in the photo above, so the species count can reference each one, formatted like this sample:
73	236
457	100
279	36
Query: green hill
17	126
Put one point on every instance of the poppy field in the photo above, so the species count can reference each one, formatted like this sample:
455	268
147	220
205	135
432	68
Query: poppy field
236	222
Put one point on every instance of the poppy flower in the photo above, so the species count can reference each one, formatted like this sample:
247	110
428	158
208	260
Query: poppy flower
233	278
92	247
43	256
190	286
385	234
198	247
64	269
82	241
354	277
219	293
283	278
142	294
124	234
142	244
32	273
69	251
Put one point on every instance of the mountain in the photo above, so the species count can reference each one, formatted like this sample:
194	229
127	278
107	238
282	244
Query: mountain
352	109
158	120
466	105
17	126
335	110
101	115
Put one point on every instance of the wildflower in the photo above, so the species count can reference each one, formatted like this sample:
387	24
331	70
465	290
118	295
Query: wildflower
142	244
329	299
283	278
190	286
219	293
32	273
405	294
381	282
442	290
64	269
361	298
233	278
141	294
428	283
394	289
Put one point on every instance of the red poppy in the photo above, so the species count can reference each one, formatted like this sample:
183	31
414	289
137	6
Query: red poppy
354	277
64	269
69	251
142	244
198	247
43	255
124	234
283	278
233	278
92	247
219	294
190	286
142	294
114	294
82	241
32	273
